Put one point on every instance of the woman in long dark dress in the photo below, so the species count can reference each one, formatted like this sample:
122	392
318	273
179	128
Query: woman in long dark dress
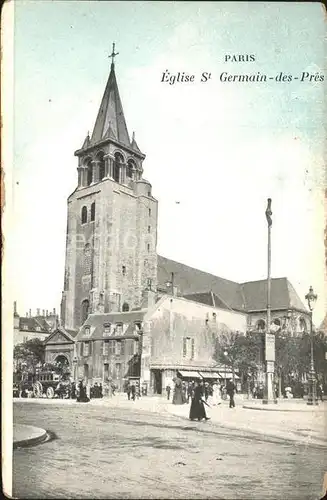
197	410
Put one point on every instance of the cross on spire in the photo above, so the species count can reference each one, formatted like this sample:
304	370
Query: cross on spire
113	55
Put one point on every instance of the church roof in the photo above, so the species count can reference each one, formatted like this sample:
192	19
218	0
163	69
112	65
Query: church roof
33	324
208	298
283	295
111	120
207	288
190	281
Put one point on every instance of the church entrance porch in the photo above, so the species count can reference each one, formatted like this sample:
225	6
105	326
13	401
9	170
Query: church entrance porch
156	381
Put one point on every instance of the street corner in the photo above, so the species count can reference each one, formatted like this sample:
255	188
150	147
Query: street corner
27	435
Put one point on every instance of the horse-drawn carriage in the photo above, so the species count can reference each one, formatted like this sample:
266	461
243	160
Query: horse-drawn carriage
45	383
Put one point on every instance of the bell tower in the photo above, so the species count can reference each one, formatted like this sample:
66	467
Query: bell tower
111	221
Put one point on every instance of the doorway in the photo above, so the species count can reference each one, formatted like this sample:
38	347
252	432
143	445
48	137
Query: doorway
157	381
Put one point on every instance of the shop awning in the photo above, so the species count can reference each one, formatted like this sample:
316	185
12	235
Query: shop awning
189	373
228	376
209	374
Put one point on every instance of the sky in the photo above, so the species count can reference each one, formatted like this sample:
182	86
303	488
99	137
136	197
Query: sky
220	149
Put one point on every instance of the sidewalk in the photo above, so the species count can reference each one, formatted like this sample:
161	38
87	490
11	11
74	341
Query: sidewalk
27	435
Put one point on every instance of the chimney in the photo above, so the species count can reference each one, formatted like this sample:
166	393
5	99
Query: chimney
47	313
148	298
30	313
38	312
15	308
27	315
54	311
43	312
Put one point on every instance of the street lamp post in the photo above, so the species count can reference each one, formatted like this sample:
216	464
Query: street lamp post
311	298
225	354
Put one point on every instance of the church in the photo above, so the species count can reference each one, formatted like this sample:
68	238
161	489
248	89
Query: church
127	312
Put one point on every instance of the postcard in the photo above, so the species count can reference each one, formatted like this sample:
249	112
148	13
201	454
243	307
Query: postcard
164	259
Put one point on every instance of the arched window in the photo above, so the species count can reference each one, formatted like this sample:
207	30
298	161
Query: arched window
102	170
93	211
117	165
125	307
85	310
130	169
84	215
89	172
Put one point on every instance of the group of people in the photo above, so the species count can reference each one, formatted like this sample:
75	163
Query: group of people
200	393
133	391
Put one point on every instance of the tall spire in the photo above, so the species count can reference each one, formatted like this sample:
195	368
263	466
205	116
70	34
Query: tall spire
110	121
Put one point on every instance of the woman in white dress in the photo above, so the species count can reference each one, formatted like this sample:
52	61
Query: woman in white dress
216	396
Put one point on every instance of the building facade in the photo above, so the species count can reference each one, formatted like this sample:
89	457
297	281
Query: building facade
37	326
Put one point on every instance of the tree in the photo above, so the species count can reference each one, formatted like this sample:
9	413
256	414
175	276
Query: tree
29	353
243	353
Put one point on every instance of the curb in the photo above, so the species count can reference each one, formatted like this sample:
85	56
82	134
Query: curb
32	435
280	408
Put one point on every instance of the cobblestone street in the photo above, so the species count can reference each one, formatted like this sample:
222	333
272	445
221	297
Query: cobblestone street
100	451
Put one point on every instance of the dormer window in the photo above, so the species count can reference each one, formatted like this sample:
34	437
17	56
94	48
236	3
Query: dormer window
107	329
38	329
87	331
25	327
119	329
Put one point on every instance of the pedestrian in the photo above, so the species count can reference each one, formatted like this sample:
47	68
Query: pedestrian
128	390
190	391
230	389
82	396
133	392
197	410
206	391
168	389
178	392
216	397
320	392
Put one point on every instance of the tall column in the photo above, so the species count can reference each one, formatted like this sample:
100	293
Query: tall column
269	396
109	165
80	176
123	173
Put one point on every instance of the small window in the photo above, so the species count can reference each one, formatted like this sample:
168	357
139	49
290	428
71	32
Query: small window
149	193
184	347
25	327
148	247
149	283
87	331
107	329
105	351
207	322
135	347
86	348
25	339
149	229
122	347
84	215
138	326
125	307
214	316
149	212
93	211
118	348
38	329
192	349
119	329
123	270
